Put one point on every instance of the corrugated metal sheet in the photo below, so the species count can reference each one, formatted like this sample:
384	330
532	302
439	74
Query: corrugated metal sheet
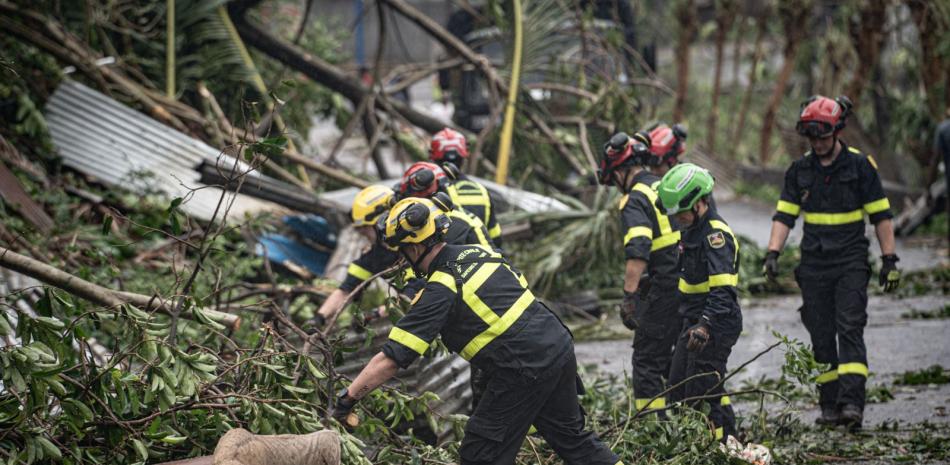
122	147
507	197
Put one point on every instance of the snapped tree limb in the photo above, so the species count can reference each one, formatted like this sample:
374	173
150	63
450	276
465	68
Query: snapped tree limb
95	293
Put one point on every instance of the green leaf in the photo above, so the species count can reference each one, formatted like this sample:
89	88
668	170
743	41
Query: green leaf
141	449
49	448
174	439
107	225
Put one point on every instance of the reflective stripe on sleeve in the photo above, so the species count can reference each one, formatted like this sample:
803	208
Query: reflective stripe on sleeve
725	400
358	272
719	433
408	339
444	279
716	280
495	231
665	241
788	208
877	206
638	231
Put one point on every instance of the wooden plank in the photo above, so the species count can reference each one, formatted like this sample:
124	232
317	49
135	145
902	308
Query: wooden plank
13	194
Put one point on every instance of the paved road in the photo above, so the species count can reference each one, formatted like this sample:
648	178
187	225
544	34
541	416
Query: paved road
895	345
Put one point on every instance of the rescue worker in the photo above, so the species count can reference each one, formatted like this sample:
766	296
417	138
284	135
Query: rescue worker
709	267
368	207
449	150
666	145
425	180
485	312
835	186
650	298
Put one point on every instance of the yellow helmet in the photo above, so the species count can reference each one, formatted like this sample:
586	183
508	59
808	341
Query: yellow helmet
370	204
415	220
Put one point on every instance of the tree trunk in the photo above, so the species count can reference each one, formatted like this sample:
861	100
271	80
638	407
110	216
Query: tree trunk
932	24
794	16
762	24
725	11
686	17
867	37
737	48
324	73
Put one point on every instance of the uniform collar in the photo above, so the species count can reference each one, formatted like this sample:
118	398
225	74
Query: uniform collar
641	177
441	258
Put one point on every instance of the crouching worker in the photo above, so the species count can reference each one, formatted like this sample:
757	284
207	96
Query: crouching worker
484	312
709	302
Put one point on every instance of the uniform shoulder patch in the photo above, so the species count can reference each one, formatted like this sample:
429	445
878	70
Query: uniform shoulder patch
716	240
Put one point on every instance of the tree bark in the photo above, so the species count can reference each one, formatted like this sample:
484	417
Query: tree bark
95	293
932	21
794	16
686	16
725	14
867	37
753	76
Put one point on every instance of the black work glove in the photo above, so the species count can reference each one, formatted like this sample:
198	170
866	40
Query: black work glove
698	336
628	309
343	408
315	324
770	267
890	277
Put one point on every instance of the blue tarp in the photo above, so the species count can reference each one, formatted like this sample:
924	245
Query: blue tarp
280	248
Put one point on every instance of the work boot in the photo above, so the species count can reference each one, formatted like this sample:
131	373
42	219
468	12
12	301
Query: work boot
829	417
851	416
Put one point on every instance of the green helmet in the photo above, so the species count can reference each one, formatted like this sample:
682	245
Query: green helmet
682	186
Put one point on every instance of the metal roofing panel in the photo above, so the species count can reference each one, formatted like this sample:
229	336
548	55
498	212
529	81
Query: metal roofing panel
118	145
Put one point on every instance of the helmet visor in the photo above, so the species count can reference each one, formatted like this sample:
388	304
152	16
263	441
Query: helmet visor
814	129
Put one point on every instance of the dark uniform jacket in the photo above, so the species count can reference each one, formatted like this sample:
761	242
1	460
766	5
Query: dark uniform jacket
648	234
473	197
834	200
710	271
483	311
464	228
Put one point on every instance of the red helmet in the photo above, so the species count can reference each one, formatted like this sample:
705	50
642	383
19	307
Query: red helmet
422	179
822	116
667	143
622	150
448	145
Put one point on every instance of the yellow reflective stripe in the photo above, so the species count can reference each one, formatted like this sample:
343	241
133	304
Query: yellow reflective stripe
665	240
409	340
623	201
854	368
471	285
498	327
638	231
834	218
473	222
725	400
645	190
495	231
877	206
725	279
789	208
827	377
647	403
444	279
687	288
358	272
662	220
719	433
716	280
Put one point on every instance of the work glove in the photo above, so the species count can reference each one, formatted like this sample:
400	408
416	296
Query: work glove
342	411
315	324
770	267
698	336
628	309
890	277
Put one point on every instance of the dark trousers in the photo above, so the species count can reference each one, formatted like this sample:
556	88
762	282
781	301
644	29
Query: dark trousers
478	380
834	311
653	345
511	404
712	360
